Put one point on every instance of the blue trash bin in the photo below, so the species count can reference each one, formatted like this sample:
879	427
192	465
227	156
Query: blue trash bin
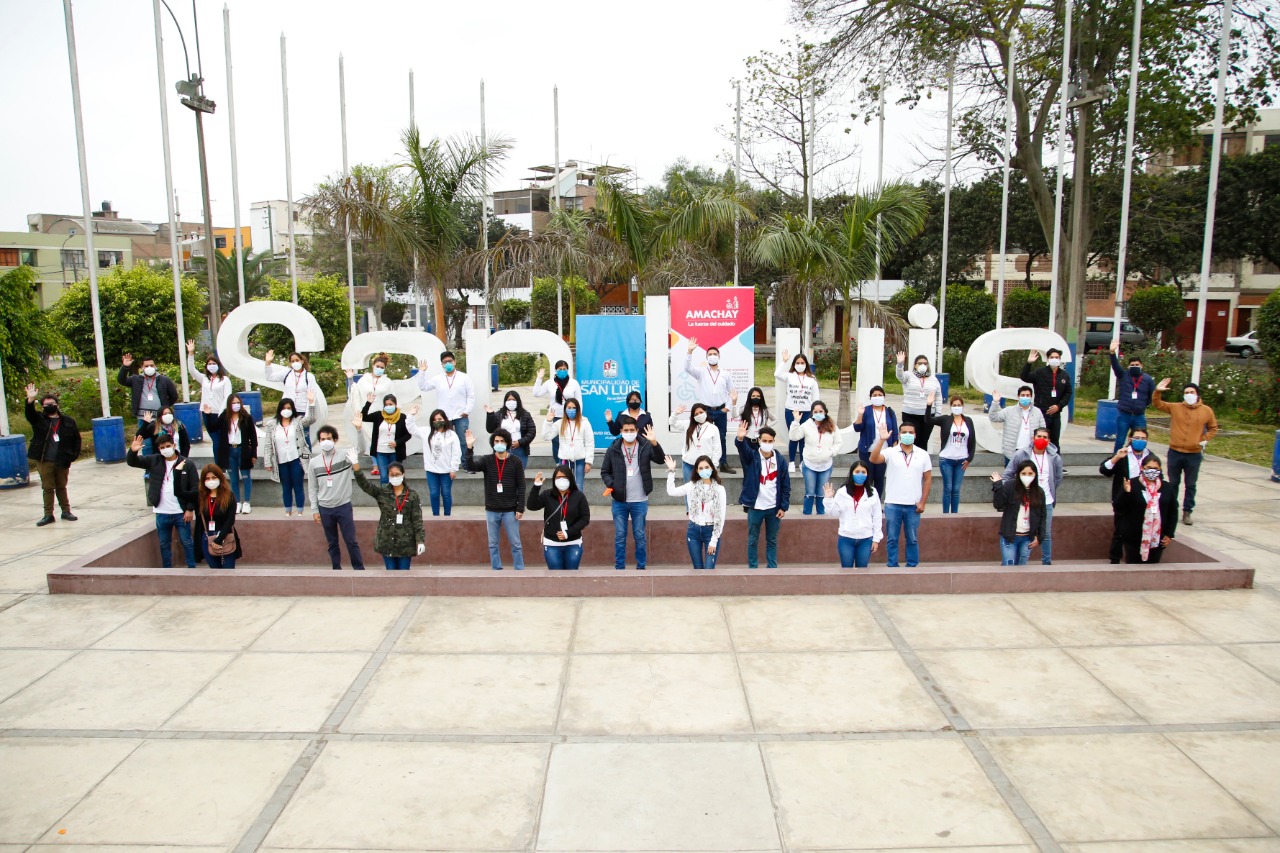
252	399
1275	460
493	376
1108	421
108	440
986	402
192	420
944	379
14	471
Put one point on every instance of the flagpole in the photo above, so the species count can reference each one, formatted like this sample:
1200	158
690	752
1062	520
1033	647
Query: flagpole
235	170
946	213
417	286
806	335
91	256
1134	55
879	179
168	186
1062	151
288	170
1004	195
555	195
737	178
346	177
484	205
1224	47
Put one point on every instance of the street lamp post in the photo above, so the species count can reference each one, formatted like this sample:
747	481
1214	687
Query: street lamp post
192	91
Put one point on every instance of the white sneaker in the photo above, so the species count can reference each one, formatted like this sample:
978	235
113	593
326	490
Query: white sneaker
791	467
239	508
245	508
288	513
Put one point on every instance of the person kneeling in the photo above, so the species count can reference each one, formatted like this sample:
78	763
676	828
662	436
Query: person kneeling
704	503
400	536
861	520
1022	502
172	487
565	514
1147	514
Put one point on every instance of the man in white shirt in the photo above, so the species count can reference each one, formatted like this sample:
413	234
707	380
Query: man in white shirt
454	393
908	476
715	391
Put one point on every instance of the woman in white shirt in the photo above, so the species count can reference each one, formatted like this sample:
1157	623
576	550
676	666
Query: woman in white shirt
700	439
300	384
559	388
959	442
705	503
284	452
861	518
802	390
576	441
515	419
375	382
821	440
441	456
215	385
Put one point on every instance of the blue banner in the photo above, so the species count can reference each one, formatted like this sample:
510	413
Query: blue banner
609	365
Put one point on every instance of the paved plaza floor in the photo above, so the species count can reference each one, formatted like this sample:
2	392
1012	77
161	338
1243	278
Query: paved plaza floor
1092	723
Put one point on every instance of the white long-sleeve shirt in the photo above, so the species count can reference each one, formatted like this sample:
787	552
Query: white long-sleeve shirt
802	389
548	389
379	387
705	442
297	383
858	519
714	385
704	502
577	441
454	392
819	447
441	452
212	391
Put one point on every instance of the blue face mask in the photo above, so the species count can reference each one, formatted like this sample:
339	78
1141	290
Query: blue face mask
389	409
704	473
1024	402
906	439
1139	444
570	412
378	371
449	367
500	447
562	374
859	478
819	416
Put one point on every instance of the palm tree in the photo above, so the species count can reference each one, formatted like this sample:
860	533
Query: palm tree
258	269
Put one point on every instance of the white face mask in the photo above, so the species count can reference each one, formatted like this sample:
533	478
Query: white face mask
511	405
235	407
212	368
150	371
1027	479
166	418
957	410
297	366
1190	399
396	479
286	413
1055	362
766	447
326	444
167	452
629	437
562	484
801	367
877	400
701	417
713	360
212	484
922	369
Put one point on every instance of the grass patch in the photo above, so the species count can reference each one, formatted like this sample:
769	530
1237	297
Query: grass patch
1239	441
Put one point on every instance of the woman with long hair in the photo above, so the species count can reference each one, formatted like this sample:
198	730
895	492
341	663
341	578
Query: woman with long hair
392	429
755	414
216	519
857	506
375	382
215	384
515	419
441	457
821	440
868	423
400	536
1021	500
959	442
285	451
802	390
701	438
574	439
565	514
560	388
1147	513
634	410
706	505
917	387
237	452
300	386
165	422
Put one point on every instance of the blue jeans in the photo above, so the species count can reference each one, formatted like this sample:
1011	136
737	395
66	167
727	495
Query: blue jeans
293	484
720	418
769	518
520	453
166	523
227	562
637	512
698	538
687	470
578	467
340	519
440	487
904	518
1126	421
383	462
854	553
562	557
813	483
241	481
1189	463
396	564
509	525
460	427
1016	552
952	477
1046	546
797	447
555	441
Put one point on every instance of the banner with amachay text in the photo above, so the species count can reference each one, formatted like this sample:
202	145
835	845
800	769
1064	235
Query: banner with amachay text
721	317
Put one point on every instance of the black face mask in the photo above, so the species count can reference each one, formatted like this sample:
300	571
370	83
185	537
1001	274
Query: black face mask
51	409
633	404
757	401
1135	370
438	425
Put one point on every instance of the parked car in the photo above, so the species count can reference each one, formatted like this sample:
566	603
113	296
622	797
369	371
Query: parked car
1246	346
1098	331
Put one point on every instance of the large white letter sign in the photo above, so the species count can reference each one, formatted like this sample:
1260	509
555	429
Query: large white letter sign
482	347
982	369
233	342
422	346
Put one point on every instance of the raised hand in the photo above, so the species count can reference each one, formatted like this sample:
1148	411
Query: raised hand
422	365
649	435
414	409
995	478
693	344
370	398
353	456
351	374
148	417
828	490
537	379
191	347
487	409
681	409
1164	384
471	439
270	356
608	414
206	408
137	444
1032	356
31	393
539	479
901	356
671	464
884	433
127	359
311	398
933	395
995	399
742	430
786	356
1115	347
733	398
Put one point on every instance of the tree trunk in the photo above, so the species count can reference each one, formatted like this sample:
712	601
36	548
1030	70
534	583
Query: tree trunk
843	412
1077	251
379	295
437	292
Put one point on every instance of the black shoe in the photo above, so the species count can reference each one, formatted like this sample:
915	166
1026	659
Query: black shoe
67	516
337	568
725	469
639	568
48	519
358	568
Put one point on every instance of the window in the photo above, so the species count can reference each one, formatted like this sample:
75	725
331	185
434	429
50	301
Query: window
220	242
72	258
106	260
1098	289
9	258
1265	268
28	257
1271	139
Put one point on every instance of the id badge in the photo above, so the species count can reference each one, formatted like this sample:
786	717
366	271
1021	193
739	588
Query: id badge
1053	392
213	527
499	489
150	398
328	481
399	518
56	438
564	527
1135	395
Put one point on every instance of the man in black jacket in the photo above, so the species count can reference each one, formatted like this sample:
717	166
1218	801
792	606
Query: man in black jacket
1125	465
503	494
55	444
171	489
628	477
1052	386
149	390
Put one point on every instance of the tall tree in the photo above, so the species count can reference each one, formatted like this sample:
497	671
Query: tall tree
258	268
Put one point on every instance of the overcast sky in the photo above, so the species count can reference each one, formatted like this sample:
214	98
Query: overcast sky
640	85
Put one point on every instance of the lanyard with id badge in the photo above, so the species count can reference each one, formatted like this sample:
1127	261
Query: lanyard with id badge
400	502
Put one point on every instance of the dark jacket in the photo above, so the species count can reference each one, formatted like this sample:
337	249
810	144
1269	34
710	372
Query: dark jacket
577	512
391	539
42	430
867	431
402	432
1043	380
1005	499
528	429
750	456
1118	474
1131	506
248	440
614	468
511	498
615	428
224	521
165	389
1126	388
186	478
947	424
181	439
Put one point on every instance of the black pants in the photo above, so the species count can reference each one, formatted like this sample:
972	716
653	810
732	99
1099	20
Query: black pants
1054	423
924	429
1133	551
1116	552
720	418
340	518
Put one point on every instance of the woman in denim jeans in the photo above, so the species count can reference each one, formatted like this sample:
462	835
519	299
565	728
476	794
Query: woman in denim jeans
1022	525
441	457
565	514
704	502
958	445
821	440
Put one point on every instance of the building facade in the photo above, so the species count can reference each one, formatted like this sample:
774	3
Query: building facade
60	259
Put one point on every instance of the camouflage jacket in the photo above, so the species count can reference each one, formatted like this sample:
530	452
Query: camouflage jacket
395	540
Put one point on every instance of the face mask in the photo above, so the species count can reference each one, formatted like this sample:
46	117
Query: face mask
819	416
500	447
1151	473
235	407
877	400
1139	444
562	483
1135	370
922	370
801	367
766	447
957	410
511	405
437	424
1039	443
562	374
633	404
907	439
378	371
757	401
449	367
396	479
701	417
150	371
212	368
859	478
390	408
326	444
1027	479
629	437
212	484
713	360
570	412
297	366
1024	402
704	473
1055	362
51	409
1190	399
168	451
286	413
166	419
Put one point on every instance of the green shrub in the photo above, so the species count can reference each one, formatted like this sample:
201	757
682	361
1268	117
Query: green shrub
1268	326
1026	309
515	368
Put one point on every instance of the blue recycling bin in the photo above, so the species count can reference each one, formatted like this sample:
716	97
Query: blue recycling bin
14	471
192	420
944	379
252	399
1275	460
108	440
1108	421
493	376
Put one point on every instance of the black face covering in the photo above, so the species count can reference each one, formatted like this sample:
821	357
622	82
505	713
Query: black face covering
1135	370
633	404
51	409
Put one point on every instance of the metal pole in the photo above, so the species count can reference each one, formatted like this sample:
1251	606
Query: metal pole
737	178
417	286
1134	53
1062	152
91	256
346	177
484	204
235	169
555	195
168	194
1224	47
1004	198
806	335
879	178
288	170
946	212
4	406
210	243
